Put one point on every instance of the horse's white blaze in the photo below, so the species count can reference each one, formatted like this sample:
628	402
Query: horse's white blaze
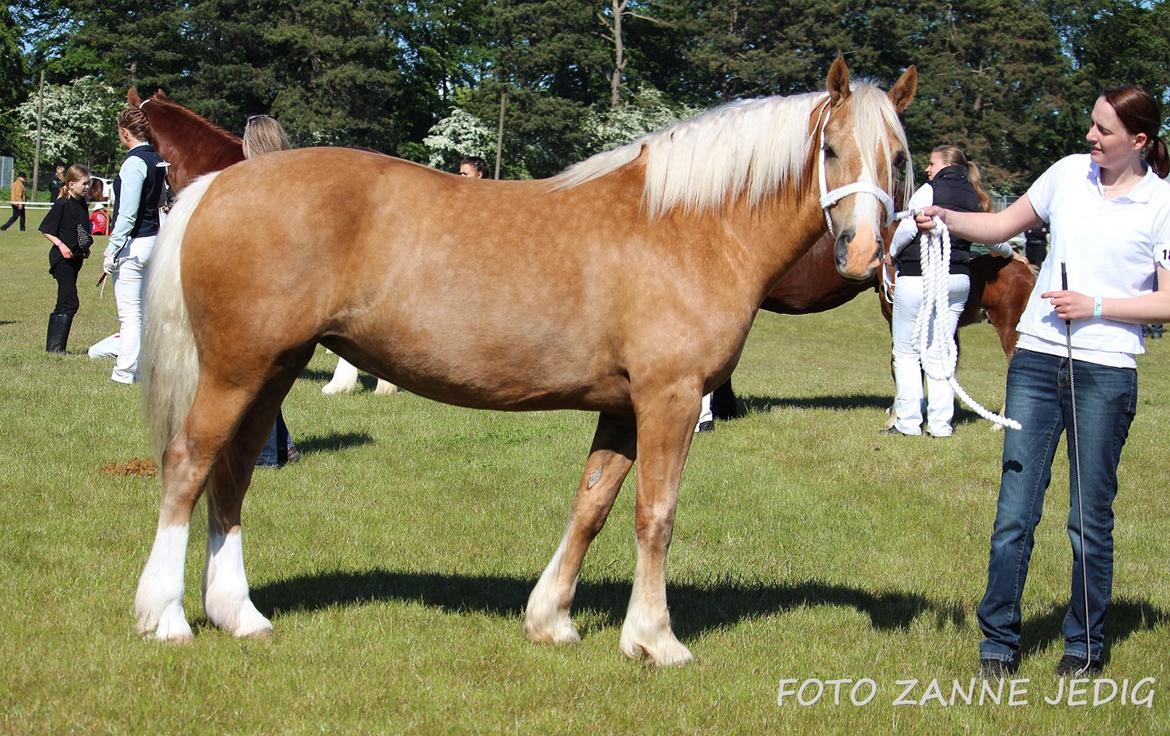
225	587
546	618
159	601
344	379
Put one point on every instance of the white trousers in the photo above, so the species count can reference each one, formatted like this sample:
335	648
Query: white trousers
908	367
128	294
106	348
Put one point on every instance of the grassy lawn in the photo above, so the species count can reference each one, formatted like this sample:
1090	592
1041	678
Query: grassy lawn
395	559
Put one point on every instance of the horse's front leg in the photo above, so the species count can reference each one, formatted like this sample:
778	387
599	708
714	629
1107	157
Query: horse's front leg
546	618
666	421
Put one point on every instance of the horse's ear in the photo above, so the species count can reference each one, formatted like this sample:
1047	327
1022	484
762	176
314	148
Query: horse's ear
902	93
839	81
160	94
132	97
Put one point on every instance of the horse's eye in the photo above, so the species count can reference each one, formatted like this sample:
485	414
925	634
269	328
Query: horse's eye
899	160
829	152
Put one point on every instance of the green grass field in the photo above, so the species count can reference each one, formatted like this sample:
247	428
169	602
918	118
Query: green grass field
395	559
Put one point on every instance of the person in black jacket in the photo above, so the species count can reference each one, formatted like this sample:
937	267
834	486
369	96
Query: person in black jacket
954	183
66	226
139	191
1036	244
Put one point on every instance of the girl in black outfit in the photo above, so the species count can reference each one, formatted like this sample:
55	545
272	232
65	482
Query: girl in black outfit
67	228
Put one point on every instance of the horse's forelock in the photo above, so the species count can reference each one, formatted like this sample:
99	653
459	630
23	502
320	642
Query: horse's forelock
874	119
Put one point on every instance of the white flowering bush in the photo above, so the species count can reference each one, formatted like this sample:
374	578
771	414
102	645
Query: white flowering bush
78	121
457	135
645	112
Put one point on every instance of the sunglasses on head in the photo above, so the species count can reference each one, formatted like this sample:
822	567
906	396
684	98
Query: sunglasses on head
250	118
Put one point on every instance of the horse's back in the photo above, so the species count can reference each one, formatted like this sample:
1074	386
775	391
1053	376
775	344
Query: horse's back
447	283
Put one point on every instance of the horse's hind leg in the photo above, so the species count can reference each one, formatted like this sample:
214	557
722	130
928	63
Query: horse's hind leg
186	466
546	618
226	598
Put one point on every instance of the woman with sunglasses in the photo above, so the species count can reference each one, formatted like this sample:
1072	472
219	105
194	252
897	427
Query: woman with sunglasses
264	134
66	226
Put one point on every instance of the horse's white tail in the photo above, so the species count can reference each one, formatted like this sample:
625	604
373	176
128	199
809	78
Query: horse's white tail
169	361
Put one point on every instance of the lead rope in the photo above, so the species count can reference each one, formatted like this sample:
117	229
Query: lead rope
937	352
1072	392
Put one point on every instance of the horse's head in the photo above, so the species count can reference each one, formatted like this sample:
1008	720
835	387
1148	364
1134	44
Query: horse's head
862	147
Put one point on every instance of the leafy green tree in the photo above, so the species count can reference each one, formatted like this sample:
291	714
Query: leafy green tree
14	88
991	82
77	122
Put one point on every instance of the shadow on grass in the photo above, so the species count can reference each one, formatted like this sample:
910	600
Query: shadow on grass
1123	619
765	404
695	609
6	322
333	442
312	374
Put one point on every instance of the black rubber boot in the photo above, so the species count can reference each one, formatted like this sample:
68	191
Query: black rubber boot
58	337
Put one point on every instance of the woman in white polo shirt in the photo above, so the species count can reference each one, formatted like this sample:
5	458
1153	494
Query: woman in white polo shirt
1110	225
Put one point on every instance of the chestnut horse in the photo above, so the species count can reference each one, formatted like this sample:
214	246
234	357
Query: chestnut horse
585	291
195	146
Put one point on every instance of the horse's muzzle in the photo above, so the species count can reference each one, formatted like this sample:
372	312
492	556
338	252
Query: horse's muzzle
857	257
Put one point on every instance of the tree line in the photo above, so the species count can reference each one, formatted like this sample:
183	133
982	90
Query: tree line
1009	81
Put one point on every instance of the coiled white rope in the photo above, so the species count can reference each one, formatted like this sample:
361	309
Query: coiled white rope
936	346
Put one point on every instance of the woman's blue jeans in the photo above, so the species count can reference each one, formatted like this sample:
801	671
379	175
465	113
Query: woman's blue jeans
1038	396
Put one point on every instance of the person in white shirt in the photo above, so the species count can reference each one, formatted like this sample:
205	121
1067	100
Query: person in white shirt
1109	214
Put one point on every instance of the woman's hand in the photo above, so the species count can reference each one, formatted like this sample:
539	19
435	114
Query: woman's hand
1070	304
925	219
64	250
1019	257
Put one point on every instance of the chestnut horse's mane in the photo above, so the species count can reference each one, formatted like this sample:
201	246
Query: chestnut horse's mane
190	124
749	146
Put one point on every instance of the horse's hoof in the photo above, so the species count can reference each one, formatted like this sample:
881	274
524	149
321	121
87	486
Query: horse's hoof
561	631
661	649
330	390
258	635
385	388
173	627
672	654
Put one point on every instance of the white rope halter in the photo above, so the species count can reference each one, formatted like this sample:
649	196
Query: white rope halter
937	351
831	198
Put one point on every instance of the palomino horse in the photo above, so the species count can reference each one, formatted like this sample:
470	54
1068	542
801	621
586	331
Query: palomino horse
195	146
585	291
1000	287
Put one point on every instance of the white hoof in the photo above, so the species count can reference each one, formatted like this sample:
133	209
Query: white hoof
331	389
658	646
172	626
550	627
252	624
385	388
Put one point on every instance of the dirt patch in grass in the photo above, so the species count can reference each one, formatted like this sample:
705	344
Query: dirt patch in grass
138	467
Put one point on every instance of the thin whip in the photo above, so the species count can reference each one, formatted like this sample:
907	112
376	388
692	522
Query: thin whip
938	352
1076	443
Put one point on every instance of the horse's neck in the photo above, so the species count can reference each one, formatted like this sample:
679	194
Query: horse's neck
775	235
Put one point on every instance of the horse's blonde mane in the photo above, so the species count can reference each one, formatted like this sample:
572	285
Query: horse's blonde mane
750	146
